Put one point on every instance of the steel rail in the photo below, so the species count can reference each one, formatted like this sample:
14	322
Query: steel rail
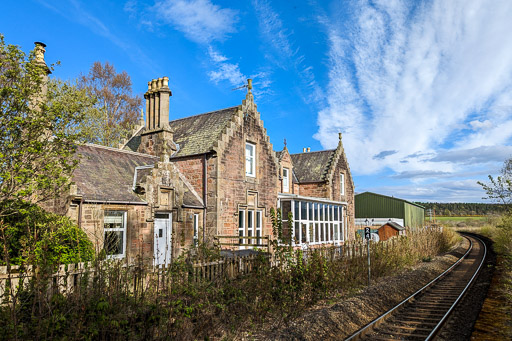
369	326
440	324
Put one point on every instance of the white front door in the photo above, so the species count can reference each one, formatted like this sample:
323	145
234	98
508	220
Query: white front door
163	229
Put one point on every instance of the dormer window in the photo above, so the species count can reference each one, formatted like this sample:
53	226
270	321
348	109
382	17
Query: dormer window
250	159
286	180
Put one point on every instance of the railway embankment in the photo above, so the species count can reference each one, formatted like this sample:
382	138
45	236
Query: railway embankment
338	318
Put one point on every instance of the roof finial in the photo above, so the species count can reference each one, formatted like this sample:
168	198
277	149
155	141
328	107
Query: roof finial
249	84
285	143
339	134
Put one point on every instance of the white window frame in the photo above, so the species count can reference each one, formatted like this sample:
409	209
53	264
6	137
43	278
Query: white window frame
286	180
119	229
317	231
342	184
259	227
241	218
196	229
251	216
252	226
250	160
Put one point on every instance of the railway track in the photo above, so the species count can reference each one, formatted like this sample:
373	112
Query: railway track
422	315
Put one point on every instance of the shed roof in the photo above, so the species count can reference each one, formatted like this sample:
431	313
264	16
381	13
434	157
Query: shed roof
312	166
388	197
396	226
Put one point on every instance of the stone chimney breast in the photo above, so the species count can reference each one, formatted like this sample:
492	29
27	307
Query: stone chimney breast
157	104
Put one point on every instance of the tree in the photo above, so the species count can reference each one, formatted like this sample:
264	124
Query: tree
500	188
116	110
37	141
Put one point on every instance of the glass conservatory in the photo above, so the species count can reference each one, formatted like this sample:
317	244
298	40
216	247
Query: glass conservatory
315	220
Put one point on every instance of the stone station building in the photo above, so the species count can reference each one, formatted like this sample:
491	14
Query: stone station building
176	183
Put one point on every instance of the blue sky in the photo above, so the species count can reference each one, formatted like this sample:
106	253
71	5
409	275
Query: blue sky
421	90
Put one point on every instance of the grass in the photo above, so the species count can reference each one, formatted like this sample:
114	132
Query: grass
169	306
449	218
494	321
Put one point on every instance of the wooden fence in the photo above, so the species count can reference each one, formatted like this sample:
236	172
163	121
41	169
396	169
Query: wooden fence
69	277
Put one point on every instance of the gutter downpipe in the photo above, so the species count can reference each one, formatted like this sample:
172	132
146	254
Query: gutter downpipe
205	183
80	204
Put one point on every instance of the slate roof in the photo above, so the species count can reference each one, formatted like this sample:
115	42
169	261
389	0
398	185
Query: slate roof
106	174
312	166
195	134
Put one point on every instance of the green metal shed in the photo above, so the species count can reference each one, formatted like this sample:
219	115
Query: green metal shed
373	205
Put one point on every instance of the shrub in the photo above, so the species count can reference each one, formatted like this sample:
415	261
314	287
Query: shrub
30	235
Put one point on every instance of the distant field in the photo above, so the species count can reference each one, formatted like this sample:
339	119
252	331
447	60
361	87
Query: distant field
442	218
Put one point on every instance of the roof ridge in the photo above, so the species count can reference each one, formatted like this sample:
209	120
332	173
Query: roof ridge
205	113
118	150
392	197
318	151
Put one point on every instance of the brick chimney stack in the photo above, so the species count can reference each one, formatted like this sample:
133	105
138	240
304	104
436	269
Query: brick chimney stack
157	104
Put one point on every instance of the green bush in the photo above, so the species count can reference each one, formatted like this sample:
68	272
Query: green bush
30	235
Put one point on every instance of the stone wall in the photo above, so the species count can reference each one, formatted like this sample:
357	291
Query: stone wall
286	162
139	233
192	168
342	166
315	189
235	189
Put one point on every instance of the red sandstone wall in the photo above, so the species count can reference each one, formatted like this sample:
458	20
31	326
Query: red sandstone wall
234	185
317	190
342	167
192	168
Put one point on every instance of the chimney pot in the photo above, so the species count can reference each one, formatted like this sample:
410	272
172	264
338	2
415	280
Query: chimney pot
149	86
309	149
303	150
160	83
154	84
165	81
39	50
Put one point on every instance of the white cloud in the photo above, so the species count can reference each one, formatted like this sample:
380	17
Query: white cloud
273	30
216	56
466	190
224	71
408	77
481	154
476	124
282	52
200	20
